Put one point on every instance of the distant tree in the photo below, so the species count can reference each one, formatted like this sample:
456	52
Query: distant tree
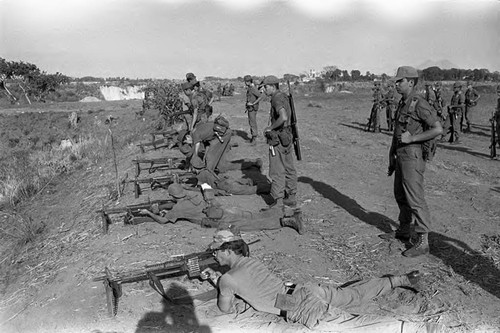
346	76
355	75
433	73
290	77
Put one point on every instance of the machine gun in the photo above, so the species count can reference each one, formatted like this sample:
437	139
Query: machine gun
191	264
133	210
162	181
163	163
293	124
493	142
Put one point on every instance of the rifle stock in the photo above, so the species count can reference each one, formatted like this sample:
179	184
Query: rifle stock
293	123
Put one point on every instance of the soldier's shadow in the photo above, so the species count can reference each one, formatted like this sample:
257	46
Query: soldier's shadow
173	317
473	265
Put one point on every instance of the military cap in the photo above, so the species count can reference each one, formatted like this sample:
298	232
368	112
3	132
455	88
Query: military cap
186	85
376	83
247	78
406	72
457	85
190	76
176	190
221	237
271	79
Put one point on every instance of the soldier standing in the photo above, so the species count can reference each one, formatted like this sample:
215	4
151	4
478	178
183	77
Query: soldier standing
201	110
390	106
430	96
439	105
455	110
471	98
252	106
415	124
279	137
374	119
496	116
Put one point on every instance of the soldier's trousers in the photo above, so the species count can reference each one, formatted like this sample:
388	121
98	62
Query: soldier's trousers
344	301
282	172
409	189
375	118
468	114
252	121
389	113
452	125
252	221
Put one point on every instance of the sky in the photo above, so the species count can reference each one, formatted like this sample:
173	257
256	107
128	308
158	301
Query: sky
232	38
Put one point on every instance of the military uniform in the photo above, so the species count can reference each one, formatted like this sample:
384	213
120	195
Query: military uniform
324	308
377	105
455	111
281	161
253	94
390	107
496	116
412	115
471	97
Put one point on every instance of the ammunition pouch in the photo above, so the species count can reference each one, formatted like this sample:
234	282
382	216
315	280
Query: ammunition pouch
285	136
272	138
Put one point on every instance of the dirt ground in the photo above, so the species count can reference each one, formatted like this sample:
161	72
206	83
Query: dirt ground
347	200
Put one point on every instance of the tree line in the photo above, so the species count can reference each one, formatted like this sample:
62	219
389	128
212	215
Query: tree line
22	79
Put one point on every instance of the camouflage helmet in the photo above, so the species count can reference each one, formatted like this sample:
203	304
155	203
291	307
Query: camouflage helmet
457	85
247	78
190	77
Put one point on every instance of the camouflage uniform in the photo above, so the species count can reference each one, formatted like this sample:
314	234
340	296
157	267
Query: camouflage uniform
496	116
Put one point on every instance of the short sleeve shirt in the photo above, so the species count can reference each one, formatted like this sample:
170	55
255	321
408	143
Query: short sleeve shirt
199	101
414	121
252	95
280	100
470	95
203	132
254	283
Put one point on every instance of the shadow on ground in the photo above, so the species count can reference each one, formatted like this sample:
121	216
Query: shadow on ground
469	263
463	149
173	317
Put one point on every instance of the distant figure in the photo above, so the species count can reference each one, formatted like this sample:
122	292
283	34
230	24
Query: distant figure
254	96
455	110
390	106
496	116
374	120
471	98
415	125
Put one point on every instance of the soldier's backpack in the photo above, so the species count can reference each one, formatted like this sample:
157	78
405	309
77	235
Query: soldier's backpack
428	147
221	125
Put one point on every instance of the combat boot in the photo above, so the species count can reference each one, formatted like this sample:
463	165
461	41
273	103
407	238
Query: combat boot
421	247
277	203
295	222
